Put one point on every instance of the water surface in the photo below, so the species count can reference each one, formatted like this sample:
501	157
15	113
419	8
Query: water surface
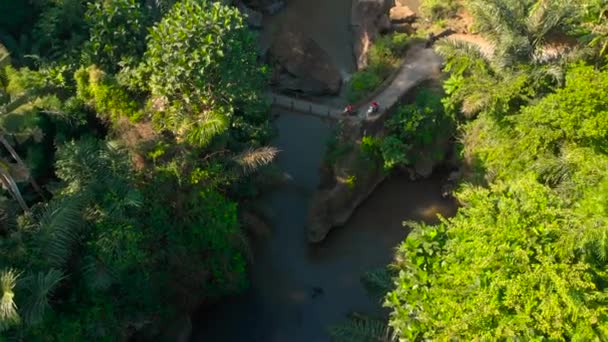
279	305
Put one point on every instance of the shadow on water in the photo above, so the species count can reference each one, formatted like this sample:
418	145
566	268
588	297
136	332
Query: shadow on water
280	306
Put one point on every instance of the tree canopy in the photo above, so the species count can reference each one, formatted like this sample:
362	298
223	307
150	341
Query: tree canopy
525	256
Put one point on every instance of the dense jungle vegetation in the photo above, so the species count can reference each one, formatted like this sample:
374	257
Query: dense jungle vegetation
128	154
526	256
130	130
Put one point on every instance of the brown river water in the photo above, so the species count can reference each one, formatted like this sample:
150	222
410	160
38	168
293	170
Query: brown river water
279	306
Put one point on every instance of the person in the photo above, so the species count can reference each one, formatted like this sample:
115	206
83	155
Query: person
375	106
348	110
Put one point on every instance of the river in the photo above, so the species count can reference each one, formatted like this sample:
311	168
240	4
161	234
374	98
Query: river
280	306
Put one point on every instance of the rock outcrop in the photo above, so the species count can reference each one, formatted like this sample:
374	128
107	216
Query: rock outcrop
337	199
303	65
402	14
366	22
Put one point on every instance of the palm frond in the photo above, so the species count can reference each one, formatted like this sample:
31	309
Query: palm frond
8	215
20	162
40	288
8	182
462	54
8	309
203	130
252	159
361	329
549	16
497	18
552	171
98	276
59	230
378	282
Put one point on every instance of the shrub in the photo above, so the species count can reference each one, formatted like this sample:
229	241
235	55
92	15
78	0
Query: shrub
362	83
439	9
383	59
101	92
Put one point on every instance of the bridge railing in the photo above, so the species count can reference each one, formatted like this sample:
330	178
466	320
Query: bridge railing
304	106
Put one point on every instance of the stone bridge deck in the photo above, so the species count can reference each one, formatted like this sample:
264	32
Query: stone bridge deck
420	64
306	107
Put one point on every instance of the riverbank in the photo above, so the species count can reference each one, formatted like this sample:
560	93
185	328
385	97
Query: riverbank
280	306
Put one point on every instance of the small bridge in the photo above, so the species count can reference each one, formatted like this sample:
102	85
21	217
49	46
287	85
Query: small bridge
305	106
420	64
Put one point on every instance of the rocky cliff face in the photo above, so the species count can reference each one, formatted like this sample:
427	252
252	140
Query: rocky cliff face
368	18
303	65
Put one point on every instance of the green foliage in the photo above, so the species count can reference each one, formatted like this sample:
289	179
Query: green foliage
126	38
414	127
203	241
517	60
362	83
541	132
105	95
525	257
98	253
439	9
201	63
60	29
337	147
384	58
510	264
576	113
8	308
394	151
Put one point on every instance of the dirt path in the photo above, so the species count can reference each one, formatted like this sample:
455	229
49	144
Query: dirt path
421	64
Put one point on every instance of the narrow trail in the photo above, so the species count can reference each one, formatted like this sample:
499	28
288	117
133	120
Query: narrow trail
420	64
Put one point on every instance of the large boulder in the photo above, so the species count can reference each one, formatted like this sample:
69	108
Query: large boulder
367	20
402	14
306	66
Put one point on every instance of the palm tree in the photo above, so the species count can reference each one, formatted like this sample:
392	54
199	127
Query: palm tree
8	309
597	27
524	44
38	288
